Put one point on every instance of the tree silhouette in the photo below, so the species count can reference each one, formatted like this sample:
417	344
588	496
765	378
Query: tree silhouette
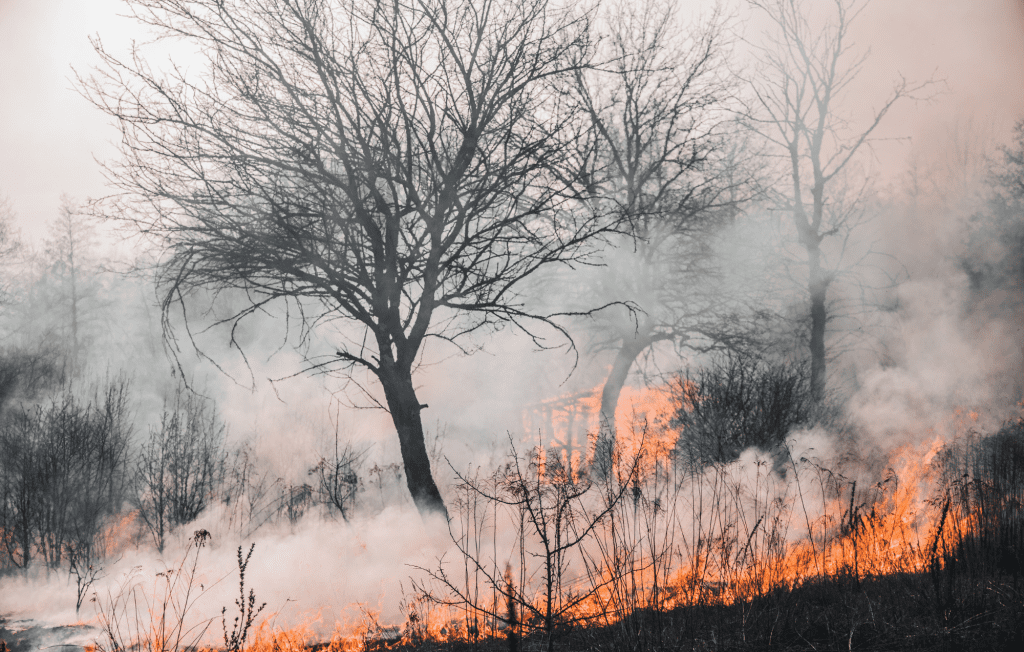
807	70
666	169
397	168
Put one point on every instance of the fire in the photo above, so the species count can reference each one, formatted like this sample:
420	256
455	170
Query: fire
752	531
118	535
303	637
362	634
727	534
568	425
674	538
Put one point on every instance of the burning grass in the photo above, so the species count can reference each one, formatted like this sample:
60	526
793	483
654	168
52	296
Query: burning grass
793	548
766	552
807	545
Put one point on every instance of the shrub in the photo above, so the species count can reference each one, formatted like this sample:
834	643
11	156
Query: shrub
62	473
736	403
181	467
338	478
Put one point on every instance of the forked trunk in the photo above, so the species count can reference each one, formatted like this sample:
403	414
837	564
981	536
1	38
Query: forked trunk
405	413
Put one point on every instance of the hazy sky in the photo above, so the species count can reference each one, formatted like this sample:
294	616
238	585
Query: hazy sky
49	135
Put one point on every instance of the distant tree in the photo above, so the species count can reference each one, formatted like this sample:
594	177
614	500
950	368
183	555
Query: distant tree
28	373
27	367
72	270
993	255
1003	221
397	168
1009	172
807	69
56	298
10	244
665	170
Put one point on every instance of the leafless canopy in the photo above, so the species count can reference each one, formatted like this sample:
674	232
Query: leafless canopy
384	159
808	68
400	165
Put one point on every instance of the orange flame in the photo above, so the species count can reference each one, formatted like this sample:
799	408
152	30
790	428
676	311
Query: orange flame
726	535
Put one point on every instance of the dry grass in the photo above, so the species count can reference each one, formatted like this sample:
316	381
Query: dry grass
769	551
753	554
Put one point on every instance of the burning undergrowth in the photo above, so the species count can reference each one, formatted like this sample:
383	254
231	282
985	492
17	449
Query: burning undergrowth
930	539
719	514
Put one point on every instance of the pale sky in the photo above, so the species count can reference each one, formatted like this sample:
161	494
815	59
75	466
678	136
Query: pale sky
49	135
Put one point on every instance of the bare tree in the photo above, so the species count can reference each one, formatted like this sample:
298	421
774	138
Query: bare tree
10	242
664	169
392	167
25	372
807	70
36	364
70	263
993	253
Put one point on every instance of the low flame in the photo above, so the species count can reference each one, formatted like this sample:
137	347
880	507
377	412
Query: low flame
568	425
725	534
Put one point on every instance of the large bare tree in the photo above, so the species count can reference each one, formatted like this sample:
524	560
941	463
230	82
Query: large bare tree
665	168
395	165
807	71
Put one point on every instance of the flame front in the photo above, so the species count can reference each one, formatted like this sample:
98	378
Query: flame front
656	535
738	531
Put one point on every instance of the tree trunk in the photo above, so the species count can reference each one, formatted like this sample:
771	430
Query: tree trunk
405	413
818	287
624	359
74	316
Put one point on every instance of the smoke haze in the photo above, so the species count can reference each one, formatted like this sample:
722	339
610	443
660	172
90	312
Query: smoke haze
935	349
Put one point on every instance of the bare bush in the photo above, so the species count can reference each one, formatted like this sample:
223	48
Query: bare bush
737	403
294	501
62	474
338	478
553	513
181	466
248	491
